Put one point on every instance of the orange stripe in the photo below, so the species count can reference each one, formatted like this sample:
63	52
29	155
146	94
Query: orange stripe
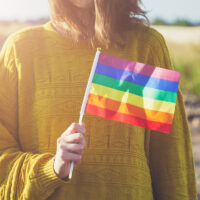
130	109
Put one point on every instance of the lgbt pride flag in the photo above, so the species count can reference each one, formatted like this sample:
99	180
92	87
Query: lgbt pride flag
133	93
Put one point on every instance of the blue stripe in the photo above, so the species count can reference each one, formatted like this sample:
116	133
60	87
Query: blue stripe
136	78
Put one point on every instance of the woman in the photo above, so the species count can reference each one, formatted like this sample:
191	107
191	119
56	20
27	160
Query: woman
43	76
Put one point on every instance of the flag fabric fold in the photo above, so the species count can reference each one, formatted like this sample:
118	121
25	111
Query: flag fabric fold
133	93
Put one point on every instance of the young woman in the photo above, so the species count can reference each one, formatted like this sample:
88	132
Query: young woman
43	76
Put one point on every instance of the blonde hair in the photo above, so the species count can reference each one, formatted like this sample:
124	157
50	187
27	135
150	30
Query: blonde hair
108	18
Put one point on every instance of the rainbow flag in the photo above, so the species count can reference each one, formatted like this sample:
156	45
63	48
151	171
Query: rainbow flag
133	93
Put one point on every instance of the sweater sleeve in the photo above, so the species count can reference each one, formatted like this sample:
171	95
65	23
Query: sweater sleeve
23	175
171	158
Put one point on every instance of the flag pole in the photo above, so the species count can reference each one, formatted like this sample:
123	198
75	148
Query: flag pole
86	98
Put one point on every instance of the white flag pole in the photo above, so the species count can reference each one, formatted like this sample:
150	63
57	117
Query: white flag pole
86	98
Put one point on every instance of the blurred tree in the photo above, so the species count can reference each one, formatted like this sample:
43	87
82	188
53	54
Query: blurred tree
177	22
159	21
182	22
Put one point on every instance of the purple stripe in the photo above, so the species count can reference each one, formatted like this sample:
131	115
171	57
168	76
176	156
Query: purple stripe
139	68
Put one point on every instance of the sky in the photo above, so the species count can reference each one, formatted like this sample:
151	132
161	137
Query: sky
174	9
167	9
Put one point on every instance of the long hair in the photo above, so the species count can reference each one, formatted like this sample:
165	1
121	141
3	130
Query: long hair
108	19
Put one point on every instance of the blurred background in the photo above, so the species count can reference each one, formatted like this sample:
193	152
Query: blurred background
178	21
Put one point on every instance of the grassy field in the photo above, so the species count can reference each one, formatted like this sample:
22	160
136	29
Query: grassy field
184	48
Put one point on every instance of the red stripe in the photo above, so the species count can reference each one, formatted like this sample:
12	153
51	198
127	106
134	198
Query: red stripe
129	119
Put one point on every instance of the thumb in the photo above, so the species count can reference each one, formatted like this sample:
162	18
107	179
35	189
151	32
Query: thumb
83	125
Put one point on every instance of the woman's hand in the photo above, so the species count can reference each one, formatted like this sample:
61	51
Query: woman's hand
70	147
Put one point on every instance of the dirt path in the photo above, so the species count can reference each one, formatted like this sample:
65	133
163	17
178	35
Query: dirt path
192	104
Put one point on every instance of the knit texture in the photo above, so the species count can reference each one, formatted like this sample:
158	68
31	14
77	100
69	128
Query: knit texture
43	77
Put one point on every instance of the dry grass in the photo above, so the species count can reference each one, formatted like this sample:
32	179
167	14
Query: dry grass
180	35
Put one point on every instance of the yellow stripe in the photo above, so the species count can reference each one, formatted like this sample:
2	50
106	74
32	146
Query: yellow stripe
132	99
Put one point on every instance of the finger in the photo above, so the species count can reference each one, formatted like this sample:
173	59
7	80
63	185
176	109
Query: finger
77	162
73	148
75	128
80	128
83	125
74	138
69	156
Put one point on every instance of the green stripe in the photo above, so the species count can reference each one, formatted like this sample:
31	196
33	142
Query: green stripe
134	88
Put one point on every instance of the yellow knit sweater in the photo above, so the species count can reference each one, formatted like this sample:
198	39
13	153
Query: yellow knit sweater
43	77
